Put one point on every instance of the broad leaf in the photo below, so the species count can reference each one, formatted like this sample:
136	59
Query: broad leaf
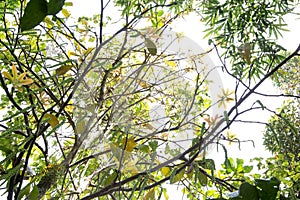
110	178
176	177
269	187
51	119
55	6
150	195
248	191
34	14
151	46
202	179
165	171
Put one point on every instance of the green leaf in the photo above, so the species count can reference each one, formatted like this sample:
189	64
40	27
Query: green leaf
260	103
269	188
34	14
110	178
208	164
55	6
24	191
226	118
63	69
151	46
176	177
248	191
11	172
202	179
34	193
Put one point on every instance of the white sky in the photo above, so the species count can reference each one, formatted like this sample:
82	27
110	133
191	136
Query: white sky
192	28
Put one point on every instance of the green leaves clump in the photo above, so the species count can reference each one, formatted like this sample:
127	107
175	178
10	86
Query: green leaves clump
36	11
34	14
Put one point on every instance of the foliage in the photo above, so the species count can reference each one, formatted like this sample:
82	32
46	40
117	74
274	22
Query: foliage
90	114
282	136
247	32
282	133
286	170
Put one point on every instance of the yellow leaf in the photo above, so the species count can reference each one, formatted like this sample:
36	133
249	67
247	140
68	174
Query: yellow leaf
143	84
68	3
69	108
65	13
131	167
63	69
71	53
150	195
80	126
52	119
26	81
14	71
21	76
165	171
7	75
130	144
171	63
247	53
86	52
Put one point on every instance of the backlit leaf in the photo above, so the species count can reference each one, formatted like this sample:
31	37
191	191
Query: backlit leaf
110	178
247	53
65	13
80	126
130	144
86	52
52	119
202	179
150	195
165	171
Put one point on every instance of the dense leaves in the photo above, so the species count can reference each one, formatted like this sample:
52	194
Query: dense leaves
91	114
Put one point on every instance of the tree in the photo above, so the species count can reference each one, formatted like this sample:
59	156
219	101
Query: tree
282	133
90	114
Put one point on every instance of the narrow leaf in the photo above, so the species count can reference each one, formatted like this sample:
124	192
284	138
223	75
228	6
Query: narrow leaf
151	46
63	69
34	193
226	118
